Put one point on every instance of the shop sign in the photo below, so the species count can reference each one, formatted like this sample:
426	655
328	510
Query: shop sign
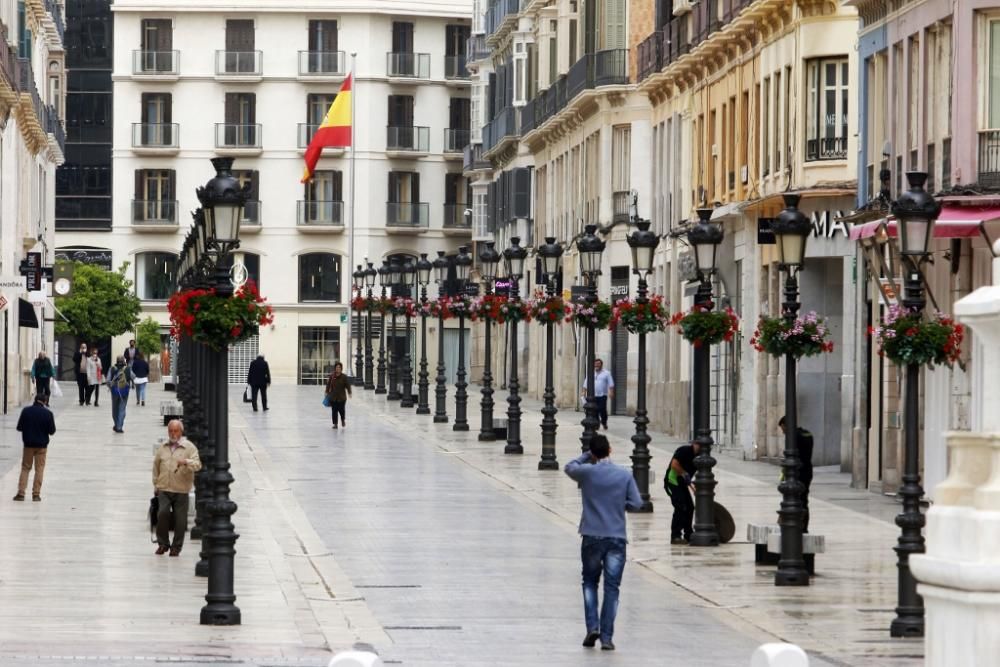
826	225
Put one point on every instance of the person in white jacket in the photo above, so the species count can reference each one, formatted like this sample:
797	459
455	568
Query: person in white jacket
95	375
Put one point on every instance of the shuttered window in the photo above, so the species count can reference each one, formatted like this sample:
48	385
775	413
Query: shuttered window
613	33
239	35
322	36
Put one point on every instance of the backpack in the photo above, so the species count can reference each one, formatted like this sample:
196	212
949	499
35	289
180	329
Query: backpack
120	380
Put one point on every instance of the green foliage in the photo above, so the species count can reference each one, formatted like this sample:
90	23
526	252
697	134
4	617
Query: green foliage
147	337
102	304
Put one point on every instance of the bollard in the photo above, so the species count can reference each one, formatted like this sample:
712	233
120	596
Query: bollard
779	655
355	659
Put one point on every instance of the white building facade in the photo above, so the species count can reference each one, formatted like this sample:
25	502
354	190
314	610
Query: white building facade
32	137
253	81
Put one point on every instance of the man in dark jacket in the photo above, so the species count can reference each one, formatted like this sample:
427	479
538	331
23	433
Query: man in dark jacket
80	368
36	424
804	443
677	484
259	378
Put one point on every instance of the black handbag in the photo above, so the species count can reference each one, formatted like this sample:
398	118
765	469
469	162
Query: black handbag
246	395
154	510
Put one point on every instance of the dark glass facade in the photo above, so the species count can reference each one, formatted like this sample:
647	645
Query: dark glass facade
83	183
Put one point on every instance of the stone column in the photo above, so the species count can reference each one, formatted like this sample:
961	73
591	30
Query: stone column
959	575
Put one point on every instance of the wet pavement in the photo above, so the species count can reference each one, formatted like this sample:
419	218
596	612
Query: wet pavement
424	543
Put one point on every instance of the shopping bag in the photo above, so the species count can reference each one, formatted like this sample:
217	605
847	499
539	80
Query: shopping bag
246	395
326	400
54	388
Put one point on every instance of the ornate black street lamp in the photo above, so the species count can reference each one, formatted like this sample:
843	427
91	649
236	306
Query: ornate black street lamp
370	276
590	247
222	200
643	244
424	269
395	280
489	258
514	256
440	381
359	360
551	254
408	273
791	230
383	280
917	211
463	265
705	238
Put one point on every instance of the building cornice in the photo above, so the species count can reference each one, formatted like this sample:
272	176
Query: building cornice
429	9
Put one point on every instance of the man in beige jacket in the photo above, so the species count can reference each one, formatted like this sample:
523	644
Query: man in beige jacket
174	467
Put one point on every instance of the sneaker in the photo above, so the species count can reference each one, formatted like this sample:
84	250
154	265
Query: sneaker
36	498
591	639
607	645
344	424
19	497
160	550
144	404
175	552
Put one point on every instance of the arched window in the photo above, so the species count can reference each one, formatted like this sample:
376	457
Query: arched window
319	277
155	275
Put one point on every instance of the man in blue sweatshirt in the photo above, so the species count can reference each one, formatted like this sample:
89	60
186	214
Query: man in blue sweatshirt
607	489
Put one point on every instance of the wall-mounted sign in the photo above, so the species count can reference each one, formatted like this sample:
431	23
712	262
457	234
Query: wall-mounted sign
97	256
764	234
826	224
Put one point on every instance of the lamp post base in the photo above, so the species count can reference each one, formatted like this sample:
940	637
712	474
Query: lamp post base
440	420
423	411
221	615
909	622
513	449
548	465
460	427
201	568
487	437
792	577
704	539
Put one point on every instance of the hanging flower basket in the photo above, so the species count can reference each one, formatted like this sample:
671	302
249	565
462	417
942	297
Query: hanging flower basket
807	336
546	310
596	315
907	337
703	326
429	308
219	321
402	307
381	305
515	310
453	306
641	318
359	304
488	308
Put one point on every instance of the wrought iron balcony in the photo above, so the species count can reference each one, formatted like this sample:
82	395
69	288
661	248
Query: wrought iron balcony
476	49
503	126
238	63
157	212
156	63
472	158
989	158
826	148
323	213
650	55
155	135
454	67
322	63
406	65
621	203
407	215
54	127
455	139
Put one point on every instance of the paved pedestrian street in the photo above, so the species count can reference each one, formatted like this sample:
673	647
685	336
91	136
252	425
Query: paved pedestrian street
423	543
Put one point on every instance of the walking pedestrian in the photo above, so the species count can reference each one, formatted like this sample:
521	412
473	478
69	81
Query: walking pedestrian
119	379
95	375
338	387
259	379
604	388
80	369
804	443
174	466
41	373
140	368
677	484
36	424
607	490
130	352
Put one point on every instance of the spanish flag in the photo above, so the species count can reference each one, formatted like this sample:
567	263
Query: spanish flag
335	130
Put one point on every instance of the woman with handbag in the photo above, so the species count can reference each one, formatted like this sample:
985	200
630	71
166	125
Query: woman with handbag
94	377
338	388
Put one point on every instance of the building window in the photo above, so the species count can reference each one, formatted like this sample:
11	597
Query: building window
322	36
240	55
765	121
319	277
319	349
155	274
156	46
993	76
826	109
250	179
324	198
240	128
155	196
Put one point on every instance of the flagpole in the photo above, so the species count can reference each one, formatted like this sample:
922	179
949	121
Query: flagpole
350	228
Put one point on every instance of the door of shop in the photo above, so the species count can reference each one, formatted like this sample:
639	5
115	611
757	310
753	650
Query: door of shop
619	343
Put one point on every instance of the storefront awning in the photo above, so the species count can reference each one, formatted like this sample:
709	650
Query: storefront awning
26	314
955	222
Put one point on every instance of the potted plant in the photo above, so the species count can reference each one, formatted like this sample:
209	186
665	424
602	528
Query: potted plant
907	337
806	336
488	308
549	309
219	321
597	315
703	326
641	317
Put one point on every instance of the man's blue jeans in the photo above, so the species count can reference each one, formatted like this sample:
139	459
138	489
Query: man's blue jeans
118	405
599	554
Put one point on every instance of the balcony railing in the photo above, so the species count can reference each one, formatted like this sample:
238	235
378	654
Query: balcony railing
455	217
498	11
503	126
151	63
408	138
611	67
8	66
323	213
321	63
454	67
826	148
251	212
989	158
54	126
407	215
476	49
55	11
650	55
154	211
155	135
621	203
580	76
472	158
237	135
455	139
238	63
306	132
946	163
408	65
26	82
528	115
